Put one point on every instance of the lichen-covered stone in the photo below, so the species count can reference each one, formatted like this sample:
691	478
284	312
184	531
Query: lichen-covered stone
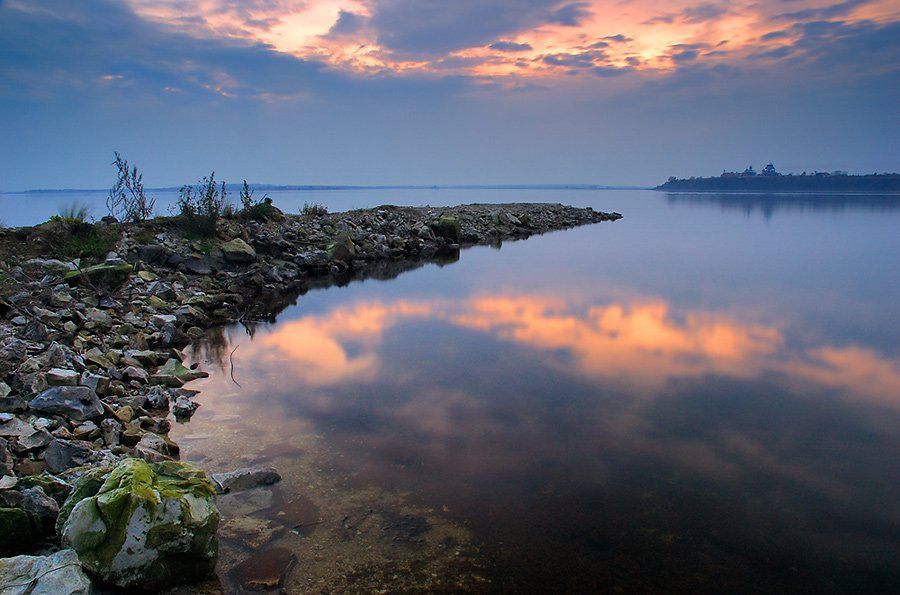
105	274
57	574
146	525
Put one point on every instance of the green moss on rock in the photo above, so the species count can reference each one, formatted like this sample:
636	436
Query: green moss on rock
148	525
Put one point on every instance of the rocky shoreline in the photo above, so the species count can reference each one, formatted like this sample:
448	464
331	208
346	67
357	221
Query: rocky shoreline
91	367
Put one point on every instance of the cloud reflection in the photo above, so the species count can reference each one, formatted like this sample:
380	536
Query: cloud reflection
643	344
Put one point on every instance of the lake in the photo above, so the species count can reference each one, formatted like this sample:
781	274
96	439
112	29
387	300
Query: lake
704	395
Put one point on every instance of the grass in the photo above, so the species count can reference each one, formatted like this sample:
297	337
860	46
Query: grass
314	209
91	242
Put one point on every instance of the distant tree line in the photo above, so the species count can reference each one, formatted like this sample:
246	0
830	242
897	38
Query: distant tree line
814	182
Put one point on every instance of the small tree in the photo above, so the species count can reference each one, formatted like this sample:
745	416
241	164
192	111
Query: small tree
126	200
202	205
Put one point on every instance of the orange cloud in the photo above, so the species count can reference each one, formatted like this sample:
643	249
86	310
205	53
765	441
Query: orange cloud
608	38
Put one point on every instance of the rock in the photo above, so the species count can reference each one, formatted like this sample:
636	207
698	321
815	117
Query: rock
57	574
171	336
111	275
447	226
135	373
34	330
6	460
183	407
264	570
153	254
13	404
42	507
62	377
39	438
342	249
111	431
99	384
65	454
174	374
8	482
77	402
100	318
244	478
12	352
147	525
152	448
147	276
161	320
237	250
17	531
250	532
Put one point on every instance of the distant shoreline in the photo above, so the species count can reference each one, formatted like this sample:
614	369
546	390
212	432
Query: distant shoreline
816	183
326	187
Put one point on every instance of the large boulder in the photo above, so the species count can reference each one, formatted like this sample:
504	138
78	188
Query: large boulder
342	248
143	525
77	402
57	574
237	250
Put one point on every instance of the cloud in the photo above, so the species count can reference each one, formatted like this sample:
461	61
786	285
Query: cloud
427	27
348	23
827	12
510	46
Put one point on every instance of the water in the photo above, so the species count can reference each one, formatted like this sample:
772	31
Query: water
697	396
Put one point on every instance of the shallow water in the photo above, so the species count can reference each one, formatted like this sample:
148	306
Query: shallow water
702	395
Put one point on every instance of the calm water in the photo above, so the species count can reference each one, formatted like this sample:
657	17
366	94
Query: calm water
703	395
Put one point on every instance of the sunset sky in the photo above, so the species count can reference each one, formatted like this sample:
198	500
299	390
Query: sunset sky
444	92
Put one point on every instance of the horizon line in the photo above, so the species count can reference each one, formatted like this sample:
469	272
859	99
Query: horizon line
295	187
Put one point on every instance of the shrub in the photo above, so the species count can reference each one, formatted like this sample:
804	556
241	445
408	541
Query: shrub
258	210
127	200
73	213
201	206
314	209
85	241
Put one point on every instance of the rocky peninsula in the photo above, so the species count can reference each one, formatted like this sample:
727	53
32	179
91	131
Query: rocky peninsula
91	368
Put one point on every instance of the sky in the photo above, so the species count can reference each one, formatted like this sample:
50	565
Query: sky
444	92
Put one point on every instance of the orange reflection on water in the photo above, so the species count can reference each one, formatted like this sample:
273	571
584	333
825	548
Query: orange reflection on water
643	344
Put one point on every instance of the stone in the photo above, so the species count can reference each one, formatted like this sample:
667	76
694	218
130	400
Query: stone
447	226
237	250
183	407
111	431
152	448
111	275
143	525
147	276
77	402
244	479
100	318
57	574
96	382
62	377
39	438
13	404
65	454
342	249
264	570
34	330
8	482
250	532
171	336
161	320
42	507
174	374
135	373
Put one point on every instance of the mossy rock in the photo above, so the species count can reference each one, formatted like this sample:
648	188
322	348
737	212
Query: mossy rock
447	226
111	275
18	531
143	525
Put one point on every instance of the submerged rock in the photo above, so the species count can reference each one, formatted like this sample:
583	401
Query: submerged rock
244	479
174	374
265	570
143	525
57	574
